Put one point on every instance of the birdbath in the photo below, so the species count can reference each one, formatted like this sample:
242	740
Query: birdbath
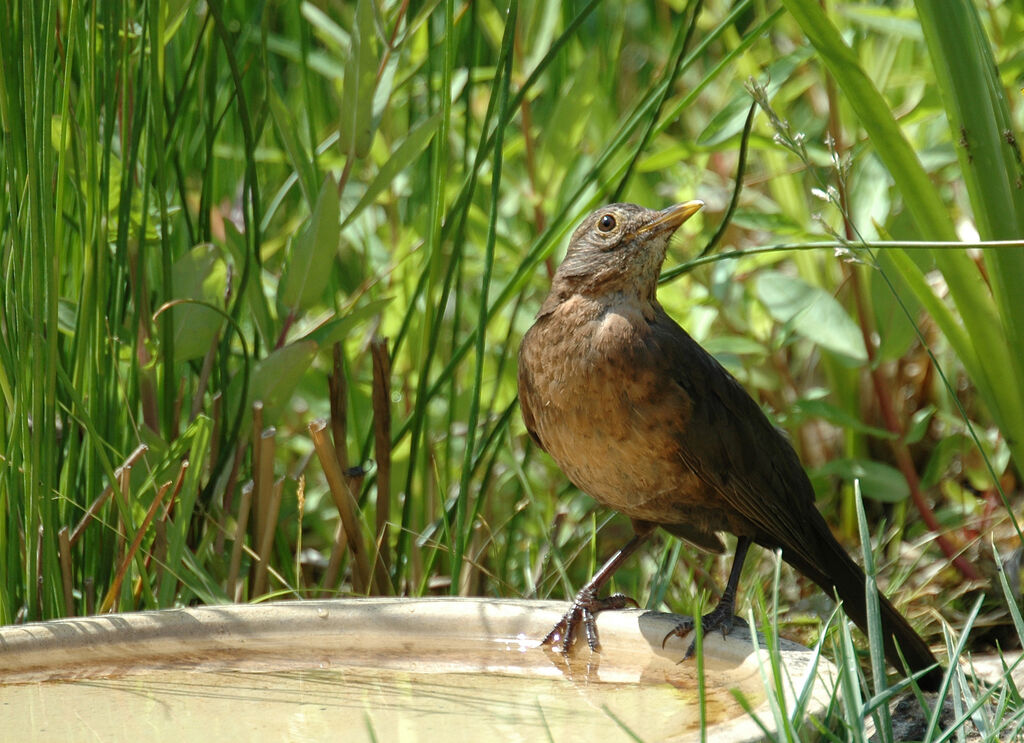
378	669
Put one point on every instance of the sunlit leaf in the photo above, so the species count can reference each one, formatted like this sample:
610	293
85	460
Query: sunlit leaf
808	408
410	148
878	481
728	122
335	330
811	312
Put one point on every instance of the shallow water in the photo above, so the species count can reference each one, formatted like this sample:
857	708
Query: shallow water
394	670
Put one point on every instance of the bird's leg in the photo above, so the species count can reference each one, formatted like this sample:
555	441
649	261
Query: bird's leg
586	605
723	616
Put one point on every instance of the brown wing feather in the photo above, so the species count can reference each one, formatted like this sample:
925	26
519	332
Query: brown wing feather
748	464
527	394
731	445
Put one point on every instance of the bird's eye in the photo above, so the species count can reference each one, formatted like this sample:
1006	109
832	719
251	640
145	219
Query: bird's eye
606	223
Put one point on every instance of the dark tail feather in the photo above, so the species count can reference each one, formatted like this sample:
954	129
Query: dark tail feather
836	573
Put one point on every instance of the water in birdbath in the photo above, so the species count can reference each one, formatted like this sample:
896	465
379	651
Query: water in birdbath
373	669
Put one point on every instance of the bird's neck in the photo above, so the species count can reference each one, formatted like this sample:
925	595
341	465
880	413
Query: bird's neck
595	301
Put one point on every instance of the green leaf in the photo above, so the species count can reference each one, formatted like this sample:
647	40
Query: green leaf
325	27
980	120
200	274
808	408
894	307
356	127
335	330
812	312
67	316
313	252
728	122
566	127
869	196
948	450
919	423
287	131
779	223
735	344
256	304
887	20
920	196
382	93
410	148
878	481
175	12
197	437
275	378
964	68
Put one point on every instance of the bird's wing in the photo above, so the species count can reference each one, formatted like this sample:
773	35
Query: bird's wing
730	444
733	448
527	394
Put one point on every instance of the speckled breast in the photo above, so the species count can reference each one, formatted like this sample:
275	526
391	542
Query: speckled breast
605	417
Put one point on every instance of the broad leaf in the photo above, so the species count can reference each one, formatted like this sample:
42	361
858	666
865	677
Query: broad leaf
811	312
313	252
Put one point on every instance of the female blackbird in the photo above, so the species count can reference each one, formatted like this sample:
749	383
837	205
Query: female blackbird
647	422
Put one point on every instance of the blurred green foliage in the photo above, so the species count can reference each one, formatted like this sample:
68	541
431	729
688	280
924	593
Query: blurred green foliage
213	204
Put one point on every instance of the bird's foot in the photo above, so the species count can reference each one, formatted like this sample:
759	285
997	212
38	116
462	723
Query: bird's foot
720	618
583	611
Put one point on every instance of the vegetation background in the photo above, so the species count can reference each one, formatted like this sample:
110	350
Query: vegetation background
224	221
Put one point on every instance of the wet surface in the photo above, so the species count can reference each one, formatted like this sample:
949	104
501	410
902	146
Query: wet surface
447	670
360	703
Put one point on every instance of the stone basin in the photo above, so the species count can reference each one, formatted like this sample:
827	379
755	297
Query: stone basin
379	670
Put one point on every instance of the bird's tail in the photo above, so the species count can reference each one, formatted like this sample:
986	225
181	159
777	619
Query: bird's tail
835	572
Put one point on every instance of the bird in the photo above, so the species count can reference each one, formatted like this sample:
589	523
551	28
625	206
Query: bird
647	422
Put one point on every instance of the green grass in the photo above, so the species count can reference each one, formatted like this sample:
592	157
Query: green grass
225	221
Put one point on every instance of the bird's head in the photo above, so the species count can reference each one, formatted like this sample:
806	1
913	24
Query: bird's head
619	248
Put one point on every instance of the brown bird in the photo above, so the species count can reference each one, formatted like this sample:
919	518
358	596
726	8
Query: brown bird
643	419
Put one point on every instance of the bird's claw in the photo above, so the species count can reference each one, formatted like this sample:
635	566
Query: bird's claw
718	619
583	611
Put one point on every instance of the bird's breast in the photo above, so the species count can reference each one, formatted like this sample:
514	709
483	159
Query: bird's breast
602	409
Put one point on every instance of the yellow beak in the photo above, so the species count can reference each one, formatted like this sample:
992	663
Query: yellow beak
670	219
